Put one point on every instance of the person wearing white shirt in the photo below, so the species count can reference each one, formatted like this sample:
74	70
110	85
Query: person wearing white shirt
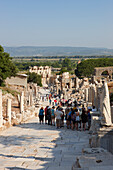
58	115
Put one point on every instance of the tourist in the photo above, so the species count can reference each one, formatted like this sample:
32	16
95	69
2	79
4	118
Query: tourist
62	118
89	119
73	119
43	98
41	115
55	102
84	119
49	115
77	118
80	113
46	114
58	115
94	109
53	116
67	110
50	99
69	119
46	97
63	102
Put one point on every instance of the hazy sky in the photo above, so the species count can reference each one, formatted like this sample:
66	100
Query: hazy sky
79	23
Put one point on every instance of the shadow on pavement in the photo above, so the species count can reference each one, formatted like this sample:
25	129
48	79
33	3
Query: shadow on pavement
53	152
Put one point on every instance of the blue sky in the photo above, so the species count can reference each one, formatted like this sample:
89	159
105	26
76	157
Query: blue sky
78	23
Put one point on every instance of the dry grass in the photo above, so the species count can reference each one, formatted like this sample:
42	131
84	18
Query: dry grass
9	90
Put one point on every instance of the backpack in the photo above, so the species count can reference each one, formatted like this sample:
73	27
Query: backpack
41	112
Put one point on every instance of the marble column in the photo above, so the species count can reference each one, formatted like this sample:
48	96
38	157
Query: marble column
106	110
22	102
9	110
31	99
86	94
1	116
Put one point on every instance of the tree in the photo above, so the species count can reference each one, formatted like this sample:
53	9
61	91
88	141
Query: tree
35	78
86	67
7	68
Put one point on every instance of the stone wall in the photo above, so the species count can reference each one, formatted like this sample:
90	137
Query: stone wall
19	80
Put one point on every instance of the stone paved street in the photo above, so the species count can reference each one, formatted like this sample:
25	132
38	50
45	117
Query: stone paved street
34	146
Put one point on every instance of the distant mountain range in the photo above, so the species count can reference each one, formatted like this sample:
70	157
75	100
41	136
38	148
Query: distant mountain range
56	51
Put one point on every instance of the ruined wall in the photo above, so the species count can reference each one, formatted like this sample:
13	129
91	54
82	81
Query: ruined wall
18	80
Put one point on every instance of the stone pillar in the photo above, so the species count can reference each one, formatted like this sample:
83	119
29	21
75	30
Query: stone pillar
76	83
31	99
9	110
93	88
22	102
35	91
89	95
1	116
86	94
106	110
71	84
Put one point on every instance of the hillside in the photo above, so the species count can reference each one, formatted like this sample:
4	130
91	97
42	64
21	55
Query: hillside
56	51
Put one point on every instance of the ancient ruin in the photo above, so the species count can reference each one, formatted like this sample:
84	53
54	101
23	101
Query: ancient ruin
45	73
86	92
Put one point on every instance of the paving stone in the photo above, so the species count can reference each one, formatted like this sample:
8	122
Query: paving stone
60	168
108	167
34	146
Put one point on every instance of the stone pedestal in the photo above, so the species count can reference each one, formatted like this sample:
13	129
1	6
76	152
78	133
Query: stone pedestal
1	117
9	110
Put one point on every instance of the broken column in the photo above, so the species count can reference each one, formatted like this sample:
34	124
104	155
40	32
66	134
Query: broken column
8	110
1	117
106	110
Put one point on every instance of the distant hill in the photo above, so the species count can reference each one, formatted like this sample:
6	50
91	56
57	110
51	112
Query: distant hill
56	51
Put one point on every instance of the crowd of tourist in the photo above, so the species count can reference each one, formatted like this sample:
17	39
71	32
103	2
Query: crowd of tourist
75	117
